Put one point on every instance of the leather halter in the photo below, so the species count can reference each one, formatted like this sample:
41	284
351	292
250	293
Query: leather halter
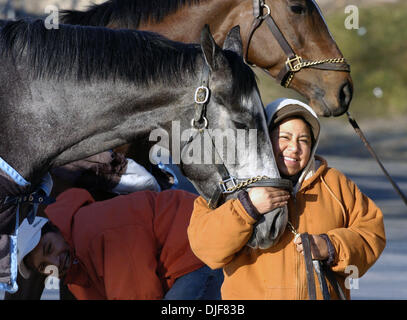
294	62
228	183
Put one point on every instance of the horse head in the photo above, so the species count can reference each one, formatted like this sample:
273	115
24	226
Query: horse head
291	41
219	143
227	148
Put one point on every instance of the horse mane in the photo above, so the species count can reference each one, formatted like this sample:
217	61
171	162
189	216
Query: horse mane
87	53
244	79
132	11
3	23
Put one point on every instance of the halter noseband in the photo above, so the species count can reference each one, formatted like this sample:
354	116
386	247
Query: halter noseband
228	183
294	62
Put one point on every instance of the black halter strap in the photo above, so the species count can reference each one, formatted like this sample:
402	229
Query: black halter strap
228	183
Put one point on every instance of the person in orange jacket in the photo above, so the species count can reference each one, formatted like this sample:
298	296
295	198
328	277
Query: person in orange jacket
130	247
345	227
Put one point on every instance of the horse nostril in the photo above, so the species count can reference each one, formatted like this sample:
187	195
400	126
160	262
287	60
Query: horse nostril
345	95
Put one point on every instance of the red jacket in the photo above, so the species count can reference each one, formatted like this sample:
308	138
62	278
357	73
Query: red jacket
128	247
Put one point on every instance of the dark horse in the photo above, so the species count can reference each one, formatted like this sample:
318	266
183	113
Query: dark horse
297	25
70	93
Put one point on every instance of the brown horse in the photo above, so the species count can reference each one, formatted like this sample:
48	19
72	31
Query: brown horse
272	32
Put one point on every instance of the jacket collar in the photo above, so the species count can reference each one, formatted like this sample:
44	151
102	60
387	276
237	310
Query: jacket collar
319	165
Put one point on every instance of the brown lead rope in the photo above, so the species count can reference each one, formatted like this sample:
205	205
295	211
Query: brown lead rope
370	149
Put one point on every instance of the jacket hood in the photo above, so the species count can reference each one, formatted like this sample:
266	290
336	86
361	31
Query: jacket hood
285	105
62	212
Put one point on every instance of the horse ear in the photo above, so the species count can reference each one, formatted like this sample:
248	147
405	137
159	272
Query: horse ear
233	41
209	48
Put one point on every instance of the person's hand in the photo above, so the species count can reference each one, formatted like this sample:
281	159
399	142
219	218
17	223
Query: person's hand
319	247
266	199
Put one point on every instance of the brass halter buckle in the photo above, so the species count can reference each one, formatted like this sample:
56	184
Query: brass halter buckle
196	126
265	6
201	95
294	64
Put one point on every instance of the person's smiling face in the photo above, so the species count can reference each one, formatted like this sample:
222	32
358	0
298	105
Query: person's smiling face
52	250
292	144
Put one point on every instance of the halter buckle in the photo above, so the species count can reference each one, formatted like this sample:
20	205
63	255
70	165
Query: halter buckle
201	95
223	183
265	6
205	124
294	64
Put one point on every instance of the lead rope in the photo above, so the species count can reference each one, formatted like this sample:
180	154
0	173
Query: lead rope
321	269
309	267
373	153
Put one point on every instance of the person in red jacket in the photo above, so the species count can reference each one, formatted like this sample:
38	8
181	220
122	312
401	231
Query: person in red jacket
130	247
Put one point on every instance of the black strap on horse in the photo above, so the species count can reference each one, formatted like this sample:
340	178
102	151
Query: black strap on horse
228	184
294	62
322	271
355	126
34	199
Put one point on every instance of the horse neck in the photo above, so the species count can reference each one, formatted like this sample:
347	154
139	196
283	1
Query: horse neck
192	18
78	120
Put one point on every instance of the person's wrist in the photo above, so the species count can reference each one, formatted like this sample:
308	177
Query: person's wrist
248	205
331	250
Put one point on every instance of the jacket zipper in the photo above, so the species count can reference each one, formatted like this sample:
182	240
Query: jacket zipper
297	261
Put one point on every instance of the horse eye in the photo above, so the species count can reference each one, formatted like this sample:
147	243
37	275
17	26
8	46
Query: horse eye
240	125
297	9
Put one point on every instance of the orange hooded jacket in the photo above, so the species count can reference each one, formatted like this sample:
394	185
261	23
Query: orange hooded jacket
328	202
128	247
